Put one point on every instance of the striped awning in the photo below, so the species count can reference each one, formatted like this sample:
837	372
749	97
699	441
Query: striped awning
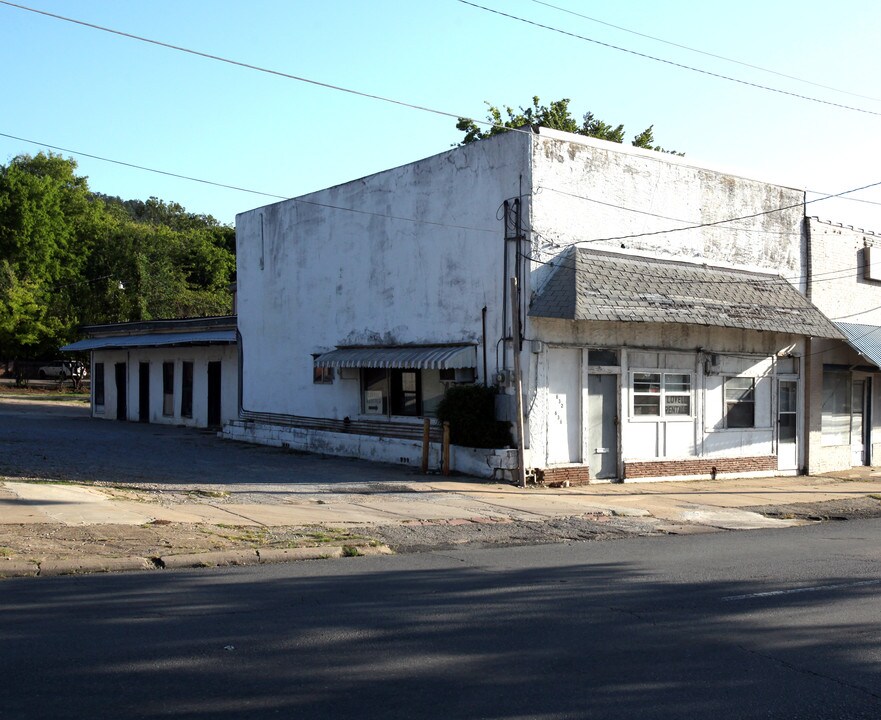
208	337
421	357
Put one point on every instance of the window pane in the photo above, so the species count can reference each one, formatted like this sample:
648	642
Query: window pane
836	408
602	357
740	415
646	405
677	382
739	389
432	391
647	383
787	397
787	427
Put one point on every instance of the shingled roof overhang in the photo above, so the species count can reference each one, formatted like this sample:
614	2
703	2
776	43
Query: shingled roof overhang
593	285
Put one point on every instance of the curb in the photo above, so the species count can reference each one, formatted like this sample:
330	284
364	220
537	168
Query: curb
15	568
50	568
221	558
226	558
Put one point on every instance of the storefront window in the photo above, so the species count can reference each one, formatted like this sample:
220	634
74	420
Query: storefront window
657	394
836	408
740	402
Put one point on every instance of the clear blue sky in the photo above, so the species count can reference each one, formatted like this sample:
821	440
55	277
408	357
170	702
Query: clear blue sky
102	94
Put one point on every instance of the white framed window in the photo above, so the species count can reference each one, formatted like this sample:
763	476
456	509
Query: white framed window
740	402
661	394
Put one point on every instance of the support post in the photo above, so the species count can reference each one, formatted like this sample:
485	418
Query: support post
518	383
426	434
446	448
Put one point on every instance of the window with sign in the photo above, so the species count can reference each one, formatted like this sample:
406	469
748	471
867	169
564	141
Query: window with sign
661	394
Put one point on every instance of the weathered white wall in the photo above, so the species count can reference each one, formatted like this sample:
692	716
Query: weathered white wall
311	277
468	461
200	356
585	190
823	454
839	288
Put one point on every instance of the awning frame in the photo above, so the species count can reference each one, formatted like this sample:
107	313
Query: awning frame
403	357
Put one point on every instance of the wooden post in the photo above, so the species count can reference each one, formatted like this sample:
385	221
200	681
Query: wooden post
446	448
518	383
426	435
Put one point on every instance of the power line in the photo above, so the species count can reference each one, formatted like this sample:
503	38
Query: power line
651	214
247	190
257	68
719	222
142	167
668	62
850	199
704	52
829	276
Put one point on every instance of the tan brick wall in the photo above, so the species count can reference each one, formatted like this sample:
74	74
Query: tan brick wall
664	468
573	474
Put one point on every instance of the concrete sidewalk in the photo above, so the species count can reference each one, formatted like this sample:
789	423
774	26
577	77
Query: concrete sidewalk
714	504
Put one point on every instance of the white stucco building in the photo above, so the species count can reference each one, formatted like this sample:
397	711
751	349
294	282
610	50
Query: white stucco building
844	405
667	322
176	372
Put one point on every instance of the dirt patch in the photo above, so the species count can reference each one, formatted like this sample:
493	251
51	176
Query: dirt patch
845	509
424	536
38	543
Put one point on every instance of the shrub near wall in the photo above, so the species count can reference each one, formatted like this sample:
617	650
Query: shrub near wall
470	410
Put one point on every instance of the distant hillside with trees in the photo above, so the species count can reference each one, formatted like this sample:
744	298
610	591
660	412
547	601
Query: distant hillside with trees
71	257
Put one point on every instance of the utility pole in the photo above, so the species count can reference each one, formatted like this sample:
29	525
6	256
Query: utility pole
518	384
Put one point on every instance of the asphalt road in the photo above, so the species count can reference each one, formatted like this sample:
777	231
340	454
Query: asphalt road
764	624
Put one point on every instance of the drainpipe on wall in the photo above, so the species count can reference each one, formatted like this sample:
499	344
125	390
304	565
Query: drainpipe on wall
807	365
483	327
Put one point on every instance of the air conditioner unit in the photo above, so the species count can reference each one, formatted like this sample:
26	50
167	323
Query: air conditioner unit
457	375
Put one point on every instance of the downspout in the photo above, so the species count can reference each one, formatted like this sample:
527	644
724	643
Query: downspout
241	361
504	291
483	326
808	369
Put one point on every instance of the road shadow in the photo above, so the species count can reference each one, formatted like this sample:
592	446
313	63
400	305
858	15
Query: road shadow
448	640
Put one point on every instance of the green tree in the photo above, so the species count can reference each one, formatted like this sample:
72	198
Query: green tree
70	257
557	116
46	221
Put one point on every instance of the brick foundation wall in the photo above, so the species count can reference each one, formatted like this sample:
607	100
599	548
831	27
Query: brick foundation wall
663	468
558	476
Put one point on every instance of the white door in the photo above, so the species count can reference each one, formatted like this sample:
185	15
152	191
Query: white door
787	425
602	419
564	406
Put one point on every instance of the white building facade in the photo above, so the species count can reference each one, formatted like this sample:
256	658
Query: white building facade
665	320
172	372
844	411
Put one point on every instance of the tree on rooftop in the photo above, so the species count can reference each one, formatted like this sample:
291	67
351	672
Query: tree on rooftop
557	116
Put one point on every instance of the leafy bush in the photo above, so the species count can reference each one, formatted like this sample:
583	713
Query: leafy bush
471	412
